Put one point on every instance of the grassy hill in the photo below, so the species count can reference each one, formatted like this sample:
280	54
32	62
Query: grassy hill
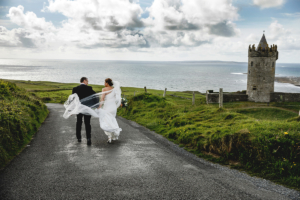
21	114
262	139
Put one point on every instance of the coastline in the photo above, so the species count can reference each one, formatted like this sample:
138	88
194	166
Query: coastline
291	80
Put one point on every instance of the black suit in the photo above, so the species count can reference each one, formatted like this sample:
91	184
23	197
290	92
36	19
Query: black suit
83	91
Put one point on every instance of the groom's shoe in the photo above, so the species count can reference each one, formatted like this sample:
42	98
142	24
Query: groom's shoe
79	140
89	142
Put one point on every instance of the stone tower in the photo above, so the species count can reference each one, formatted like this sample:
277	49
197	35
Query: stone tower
261	71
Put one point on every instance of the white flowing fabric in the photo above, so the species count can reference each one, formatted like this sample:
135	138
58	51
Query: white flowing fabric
90	106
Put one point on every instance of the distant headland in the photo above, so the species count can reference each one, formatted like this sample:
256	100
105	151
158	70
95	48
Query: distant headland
292	80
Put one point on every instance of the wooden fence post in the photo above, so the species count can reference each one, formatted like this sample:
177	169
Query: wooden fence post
134	93
221	98
207	96
299	112
165	92
145	89
193	100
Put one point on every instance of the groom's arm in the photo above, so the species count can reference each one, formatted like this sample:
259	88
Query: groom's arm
92	91
73	91
96	99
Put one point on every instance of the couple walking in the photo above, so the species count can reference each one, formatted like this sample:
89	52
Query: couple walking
85	103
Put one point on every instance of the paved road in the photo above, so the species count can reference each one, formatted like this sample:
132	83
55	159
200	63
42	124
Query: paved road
141	165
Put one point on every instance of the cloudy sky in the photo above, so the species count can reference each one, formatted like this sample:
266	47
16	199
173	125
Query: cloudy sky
147	29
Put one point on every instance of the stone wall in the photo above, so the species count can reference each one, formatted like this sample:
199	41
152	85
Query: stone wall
234	97
284	97
227	97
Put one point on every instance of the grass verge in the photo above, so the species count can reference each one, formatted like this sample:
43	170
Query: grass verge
21	114
263	141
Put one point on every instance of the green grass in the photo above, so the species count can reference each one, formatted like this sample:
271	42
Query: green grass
254	139
267	113
21	114
262	139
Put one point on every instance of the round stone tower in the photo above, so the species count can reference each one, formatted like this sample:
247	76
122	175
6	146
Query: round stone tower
261	71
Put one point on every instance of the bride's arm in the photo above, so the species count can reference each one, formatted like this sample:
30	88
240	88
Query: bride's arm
103	95
102	98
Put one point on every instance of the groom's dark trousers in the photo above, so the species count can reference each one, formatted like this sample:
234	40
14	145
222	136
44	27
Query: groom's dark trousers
87	123
83	91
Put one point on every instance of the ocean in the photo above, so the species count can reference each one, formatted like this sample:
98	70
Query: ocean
175	76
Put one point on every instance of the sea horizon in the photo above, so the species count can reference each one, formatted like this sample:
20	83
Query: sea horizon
174	75
41	59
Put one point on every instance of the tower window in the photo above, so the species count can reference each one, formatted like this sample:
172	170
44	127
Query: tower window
249	71
252	64
254	87
273	64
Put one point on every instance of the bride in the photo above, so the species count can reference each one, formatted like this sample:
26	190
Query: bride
109	124
105	110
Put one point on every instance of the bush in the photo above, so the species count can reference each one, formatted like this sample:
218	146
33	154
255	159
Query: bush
7	89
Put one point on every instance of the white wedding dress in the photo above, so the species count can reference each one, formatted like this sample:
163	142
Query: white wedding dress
90	106
107	114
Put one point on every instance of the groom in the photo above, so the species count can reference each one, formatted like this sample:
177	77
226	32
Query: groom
83	90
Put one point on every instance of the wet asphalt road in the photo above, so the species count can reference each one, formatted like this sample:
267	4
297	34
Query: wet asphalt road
141	165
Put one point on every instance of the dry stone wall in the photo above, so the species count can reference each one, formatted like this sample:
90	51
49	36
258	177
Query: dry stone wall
227	97
284	97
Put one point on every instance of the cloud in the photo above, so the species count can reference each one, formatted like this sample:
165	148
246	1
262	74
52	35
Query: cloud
8	24
284	38
100	23
252	39
268	3
121	39
15	38
291	14
34	32
278	31
189	23
92	24
28	20
167	39
189	14
112	15
226	29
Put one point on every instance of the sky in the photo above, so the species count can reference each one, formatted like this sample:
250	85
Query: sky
147	30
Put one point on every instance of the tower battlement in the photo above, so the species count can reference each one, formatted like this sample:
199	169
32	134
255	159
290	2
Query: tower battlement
263	52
